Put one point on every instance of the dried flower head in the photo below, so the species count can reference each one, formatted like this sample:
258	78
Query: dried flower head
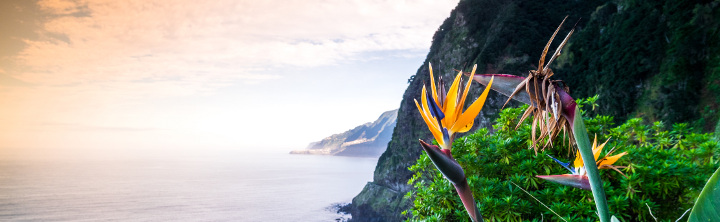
545	98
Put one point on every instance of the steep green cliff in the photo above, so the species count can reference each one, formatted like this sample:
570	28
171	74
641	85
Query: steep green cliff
367	140
508	36
659	60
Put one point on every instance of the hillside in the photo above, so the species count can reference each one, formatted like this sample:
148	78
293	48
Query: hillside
659	60
367	140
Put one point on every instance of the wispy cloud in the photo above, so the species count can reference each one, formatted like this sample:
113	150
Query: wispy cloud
216	41
52	126
211	68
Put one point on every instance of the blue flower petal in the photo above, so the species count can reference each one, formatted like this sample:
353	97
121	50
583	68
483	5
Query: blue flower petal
566	165
434	109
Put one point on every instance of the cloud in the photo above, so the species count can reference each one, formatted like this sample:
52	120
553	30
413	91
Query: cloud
87	128
62	7
219	41
209	67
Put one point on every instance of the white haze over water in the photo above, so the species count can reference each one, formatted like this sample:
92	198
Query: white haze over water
213	186
168	110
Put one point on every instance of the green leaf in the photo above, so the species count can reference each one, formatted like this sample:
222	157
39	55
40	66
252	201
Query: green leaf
614	219
707	206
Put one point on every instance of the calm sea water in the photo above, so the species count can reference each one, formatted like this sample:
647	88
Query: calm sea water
271	186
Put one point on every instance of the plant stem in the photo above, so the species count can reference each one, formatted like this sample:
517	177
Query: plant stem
468	201
593	174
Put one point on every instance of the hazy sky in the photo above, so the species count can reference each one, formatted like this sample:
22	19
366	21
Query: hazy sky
143	75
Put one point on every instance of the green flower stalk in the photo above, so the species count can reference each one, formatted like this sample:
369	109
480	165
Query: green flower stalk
554	110
444	117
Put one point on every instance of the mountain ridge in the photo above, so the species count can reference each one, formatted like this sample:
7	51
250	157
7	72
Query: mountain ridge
367	140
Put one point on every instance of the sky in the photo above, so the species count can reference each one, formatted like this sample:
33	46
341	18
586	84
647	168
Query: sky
138	75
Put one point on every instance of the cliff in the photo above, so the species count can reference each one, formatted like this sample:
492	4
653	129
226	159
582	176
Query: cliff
508	36
367	140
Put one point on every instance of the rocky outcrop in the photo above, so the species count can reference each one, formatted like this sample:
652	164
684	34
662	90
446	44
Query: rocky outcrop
498	36
367	140
654	59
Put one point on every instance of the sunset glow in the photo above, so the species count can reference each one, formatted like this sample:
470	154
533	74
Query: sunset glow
138	75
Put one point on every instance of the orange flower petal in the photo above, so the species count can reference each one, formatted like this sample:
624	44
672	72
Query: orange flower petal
461	104
469	115
432	84
611	159
598	149
431	121
451	102
578	160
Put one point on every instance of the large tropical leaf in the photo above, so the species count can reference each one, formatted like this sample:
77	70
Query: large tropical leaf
707	206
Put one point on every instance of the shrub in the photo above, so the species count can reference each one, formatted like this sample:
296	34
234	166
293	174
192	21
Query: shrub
666	171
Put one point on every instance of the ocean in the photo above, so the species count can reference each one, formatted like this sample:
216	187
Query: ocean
235	186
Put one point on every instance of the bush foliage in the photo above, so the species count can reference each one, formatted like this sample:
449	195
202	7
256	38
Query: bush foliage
667	168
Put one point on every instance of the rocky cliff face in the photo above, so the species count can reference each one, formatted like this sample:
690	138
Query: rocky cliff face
653	59
367	140
487	33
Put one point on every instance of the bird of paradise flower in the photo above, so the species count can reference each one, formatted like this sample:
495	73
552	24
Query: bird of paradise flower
578	174
444	117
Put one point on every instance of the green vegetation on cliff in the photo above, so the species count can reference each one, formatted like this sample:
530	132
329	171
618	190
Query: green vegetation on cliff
664	54
666	170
